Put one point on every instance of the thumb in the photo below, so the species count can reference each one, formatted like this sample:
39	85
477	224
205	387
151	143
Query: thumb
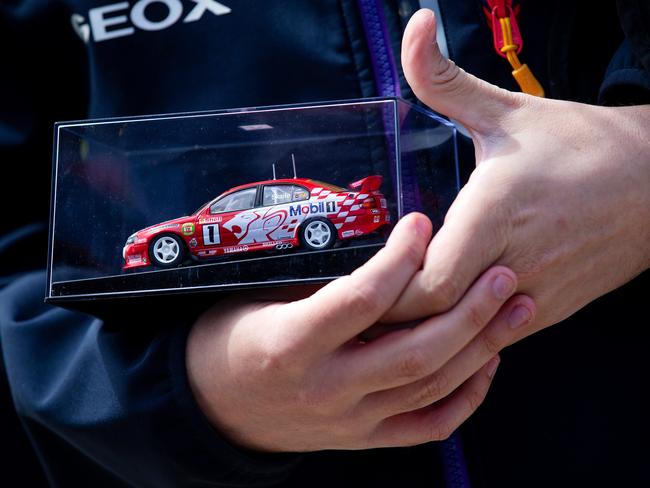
446	88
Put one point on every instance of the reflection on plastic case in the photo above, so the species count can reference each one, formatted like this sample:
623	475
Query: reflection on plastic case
239	198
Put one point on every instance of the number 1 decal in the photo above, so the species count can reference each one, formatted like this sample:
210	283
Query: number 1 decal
211	234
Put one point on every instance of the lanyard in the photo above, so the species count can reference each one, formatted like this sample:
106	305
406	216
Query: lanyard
502	19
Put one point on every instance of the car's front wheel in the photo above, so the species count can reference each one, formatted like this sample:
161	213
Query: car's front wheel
166	250
317	234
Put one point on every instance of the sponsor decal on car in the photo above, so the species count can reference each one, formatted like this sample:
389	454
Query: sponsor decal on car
234	249
347	233
210	220
311	208
211	235
166	226
188	229
193	242
211	252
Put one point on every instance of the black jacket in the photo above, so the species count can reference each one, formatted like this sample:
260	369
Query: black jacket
106	403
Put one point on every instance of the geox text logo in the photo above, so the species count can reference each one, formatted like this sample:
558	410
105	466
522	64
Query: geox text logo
121	19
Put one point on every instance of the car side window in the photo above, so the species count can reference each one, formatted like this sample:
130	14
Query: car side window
241	200
279	194
299	193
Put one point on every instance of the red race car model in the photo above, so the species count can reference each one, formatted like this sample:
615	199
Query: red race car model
273	214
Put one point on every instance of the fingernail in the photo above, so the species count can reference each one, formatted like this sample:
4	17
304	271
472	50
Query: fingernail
503	286
422	225
492	366
519	316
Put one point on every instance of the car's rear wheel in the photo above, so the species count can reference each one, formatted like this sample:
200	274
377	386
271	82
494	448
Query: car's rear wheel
317	234
166	250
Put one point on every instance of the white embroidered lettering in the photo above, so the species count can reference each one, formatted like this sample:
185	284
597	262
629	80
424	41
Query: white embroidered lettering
99	22
139	19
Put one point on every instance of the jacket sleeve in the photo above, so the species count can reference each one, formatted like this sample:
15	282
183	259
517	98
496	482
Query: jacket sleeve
627	80
105	402
113	396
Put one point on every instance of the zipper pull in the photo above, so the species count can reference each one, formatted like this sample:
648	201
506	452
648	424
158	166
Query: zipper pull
508	44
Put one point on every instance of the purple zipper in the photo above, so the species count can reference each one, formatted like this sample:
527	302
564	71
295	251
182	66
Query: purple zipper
454	465
387	83
381	53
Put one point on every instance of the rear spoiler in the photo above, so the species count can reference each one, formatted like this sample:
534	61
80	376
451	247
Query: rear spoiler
367	184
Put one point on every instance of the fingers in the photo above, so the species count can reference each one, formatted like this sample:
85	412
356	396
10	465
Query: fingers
438	421
406	356
347	306
445	87
471	239
506	326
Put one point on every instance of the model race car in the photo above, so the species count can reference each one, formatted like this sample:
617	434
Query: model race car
266	215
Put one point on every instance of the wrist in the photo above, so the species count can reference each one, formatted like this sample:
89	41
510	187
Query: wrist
635	121
229	464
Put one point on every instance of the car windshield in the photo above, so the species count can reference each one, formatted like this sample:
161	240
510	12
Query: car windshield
242	198
238	200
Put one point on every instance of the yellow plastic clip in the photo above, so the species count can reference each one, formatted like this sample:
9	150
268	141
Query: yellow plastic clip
527	81
522	73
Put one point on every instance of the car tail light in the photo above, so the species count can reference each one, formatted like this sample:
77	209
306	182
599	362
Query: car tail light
369	203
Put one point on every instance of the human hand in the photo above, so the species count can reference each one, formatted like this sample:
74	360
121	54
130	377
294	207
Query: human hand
293	376
560	195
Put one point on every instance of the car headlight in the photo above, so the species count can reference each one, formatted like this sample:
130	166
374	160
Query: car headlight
131	239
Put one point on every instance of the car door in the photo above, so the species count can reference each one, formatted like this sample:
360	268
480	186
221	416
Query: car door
279	212
227	221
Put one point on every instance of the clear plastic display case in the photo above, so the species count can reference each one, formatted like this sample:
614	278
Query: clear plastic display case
239	198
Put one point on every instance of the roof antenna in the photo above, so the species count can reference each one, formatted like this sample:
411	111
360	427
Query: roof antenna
293	160
273	164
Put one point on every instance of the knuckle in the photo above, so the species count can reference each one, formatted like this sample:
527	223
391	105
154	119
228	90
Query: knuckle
363	298
433	389
474	399
532	264
272	358
442	290
279	354
316	399
439	430
412	365
491	345
446	74
475	316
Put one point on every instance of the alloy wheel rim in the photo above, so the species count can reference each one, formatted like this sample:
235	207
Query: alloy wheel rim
166	250
318	234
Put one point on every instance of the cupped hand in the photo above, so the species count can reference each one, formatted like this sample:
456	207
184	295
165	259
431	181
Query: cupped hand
295	376
560	195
